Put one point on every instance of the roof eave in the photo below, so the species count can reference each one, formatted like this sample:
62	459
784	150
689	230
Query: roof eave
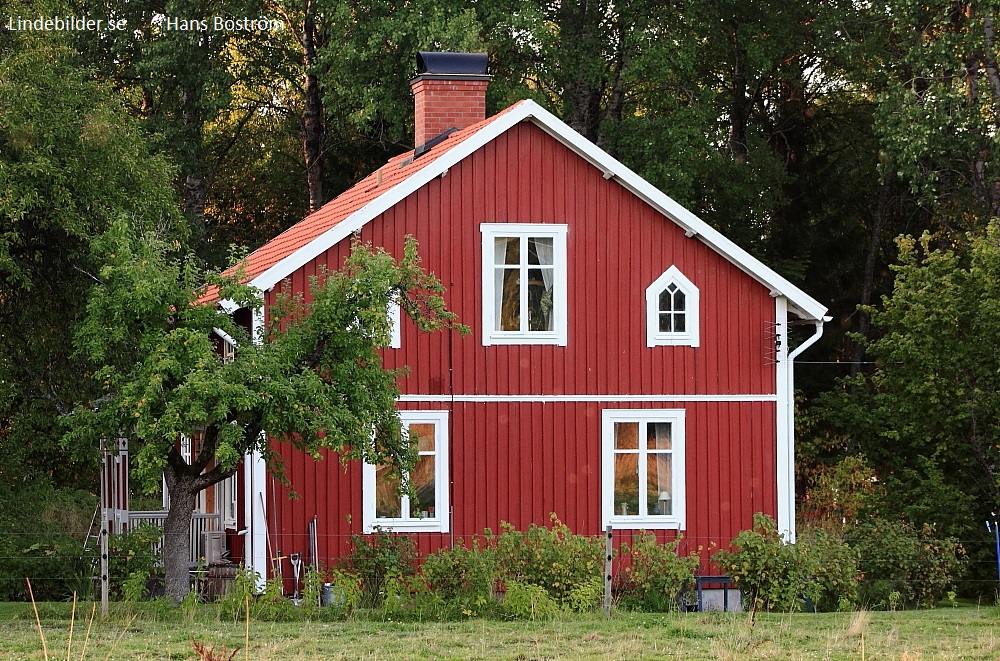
801	303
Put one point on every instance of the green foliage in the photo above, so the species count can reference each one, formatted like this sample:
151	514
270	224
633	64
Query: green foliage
378	558
42	532
905	566
554	558
71	163
463	577
314	377
832	571
925	418
527	601
344	590
656	578
411	598
765	567
133	557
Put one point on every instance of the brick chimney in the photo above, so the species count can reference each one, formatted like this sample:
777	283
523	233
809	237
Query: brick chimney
448	92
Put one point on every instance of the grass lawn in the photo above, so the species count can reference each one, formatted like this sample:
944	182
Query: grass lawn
966	632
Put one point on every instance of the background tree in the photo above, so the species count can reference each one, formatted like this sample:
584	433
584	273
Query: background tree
312	377
927	418
71	162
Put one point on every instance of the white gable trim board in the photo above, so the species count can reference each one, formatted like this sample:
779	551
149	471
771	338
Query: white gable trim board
800	302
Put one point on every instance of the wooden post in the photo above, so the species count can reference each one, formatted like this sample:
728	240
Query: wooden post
104	505
607	573
105	578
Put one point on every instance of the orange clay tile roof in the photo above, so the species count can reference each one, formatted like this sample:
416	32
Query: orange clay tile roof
394	172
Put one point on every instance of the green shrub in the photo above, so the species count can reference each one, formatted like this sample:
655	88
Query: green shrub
831	567
410	598
526	601
905	567
133	557
553	558
42	533
345	592
765	567
655	577
378	557
464	578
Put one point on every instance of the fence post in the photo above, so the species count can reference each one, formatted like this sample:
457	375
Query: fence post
105	578
607	572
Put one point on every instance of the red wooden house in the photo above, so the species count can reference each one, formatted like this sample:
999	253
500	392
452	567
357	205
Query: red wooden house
628	366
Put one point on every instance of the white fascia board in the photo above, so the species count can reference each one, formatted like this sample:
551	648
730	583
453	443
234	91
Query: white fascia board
355	221
801	302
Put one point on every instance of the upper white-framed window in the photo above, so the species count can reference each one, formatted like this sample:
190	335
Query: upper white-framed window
672	311
384	507
642	468
524	283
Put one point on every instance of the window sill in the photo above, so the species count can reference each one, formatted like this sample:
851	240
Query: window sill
646	522
672	340
524	338
394	525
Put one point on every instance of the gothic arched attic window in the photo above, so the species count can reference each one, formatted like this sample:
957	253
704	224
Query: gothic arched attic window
672	311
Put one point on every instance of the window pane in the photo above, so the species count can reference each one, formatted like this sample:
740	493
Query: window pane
540	250
678	301
626	435
388	504
658	436
665	323
678	322
507	250
540	299
665	301
508	303
659	494
425	436
626	484
423	487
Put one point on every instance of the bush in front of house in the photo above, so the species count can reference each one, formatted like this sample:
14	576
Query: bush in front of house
764	567
568	566
378	558
819	571
465	578
655	578
831	568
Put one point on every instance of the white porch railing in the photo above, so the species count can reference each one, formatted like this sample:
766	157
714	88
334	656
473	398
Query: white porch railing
200	523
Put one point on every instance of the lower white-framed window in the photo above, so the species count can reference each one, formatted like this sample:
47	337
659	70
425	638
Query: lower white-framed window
642	468
384	507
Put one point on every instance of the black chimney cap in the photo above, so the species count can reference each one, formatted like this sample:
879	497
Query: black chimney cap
467	64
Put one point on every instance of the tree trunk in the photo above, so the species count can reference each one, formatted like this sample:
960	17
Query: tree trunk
868	282
313	128
177	535
184	482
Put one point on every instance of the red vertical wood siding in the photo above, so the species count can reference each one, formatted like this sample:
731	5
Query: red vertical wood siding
519	461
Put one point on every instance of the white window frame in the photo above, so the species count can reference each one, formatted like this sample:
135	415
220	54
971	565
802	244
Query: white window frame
691	336
557	233
440	521
609	516
228	496
396	335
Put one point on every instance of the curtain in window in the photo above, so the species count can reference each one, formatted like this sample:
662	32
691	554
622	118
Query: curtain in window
544	251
